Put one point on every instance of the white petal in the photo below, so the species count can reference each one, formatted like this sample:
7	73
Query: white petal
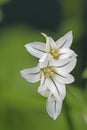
61	88
37	49
50	43
66	53
53	88
43	88
54	108
42	78
64	79
67	68
32	74
65	41
43	61
60	62
47	87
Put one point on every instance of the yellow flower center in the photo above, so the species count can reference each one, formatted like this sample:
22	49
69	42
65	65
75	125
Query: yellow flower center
48	71
55	53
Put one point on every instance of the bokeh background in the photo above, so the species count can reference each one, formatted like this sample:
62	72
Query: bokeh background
22	21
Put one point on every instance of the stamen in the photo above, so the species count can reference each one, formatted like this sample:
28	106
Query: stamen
54	53
48	71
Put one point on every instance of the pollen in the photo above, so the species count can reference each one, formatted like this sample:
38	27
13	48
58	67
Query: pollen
54	53
48	71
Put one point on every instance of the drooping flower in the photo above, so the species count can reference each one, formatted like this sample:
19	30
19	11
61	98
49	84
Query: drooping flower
52	83
56	61
53	106
57	51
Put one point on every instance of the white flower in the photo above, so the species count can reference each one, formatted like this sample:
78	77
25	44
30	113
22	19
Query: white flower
53	79
56	61
53	106
57	51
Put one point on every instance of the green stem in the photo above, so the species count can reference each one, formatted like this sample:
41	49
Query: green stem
68	116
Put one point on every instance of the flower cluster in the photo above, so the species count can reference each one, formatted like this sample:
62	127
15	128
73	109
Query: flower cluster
56	61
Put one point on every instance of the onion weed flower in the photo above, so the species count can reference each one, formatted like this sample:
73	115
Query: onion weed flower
52	83
56	61
57	51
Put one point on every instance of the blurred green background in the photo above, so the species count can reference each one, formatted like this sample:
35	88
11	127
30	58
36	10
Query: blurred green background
21	21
